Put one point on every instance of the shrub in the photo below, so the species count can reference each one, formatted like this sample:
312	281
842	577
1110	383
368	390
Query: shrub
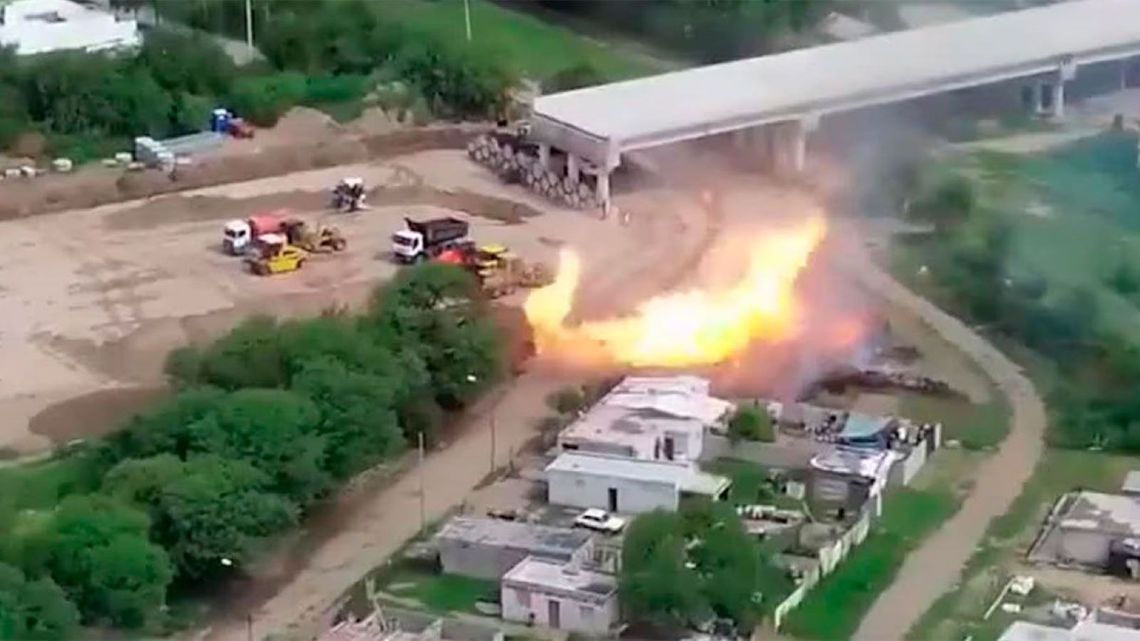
751	423
566	400
580	75
263	99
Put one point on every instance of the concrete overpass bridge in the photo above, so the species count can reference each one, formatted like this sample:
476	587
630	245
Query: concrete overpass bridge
774	102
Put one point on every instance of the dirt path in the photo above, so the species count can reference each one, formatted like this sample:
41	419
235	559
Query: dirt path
935	567
386	521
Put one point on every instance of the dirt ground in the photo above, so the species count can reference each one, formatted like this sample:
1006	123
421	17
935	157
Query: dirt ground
94	299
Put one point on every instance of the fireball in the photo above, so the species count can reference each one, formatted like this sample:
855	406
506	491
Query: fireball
687	328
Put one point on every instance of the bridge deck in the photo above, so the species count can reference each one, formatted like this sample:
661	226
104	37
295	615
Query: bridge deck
879	69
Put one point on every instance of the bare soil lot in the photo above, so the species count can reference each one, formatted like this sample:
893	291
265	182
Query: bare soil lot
94	299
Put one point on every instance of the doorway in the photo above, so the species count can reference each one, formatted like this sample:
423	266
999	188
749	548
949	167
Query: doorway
554	614
612	503
670	448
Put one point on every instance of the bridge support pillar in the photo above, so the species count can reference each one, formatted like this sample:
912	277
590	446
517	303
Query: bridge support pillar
544	155
789	153
573	168
1066	71
603	189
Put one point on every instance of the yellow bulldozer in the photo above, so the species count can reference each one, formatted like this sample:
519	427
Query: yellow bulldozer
321	240
501	272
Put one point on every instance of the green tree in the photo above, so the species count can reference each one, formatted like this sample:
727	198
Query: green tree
263	99
578	76
655	585
35	610
358	416
98	551
751	423
947	204
166	429
217	509
274	431
186	62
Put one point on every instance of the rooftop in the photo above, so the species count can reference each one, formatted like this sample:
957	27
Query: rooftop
862	426
871	464
844	75
1114	514
641	410
686	477
566	579
543	540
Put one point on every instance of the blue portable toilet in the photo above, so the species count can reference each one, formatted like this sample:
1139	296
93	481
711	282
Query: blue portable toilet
220	120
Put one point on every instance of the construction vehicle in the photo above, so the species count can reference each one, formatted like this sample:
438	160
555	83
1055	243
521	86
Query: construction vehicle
238	235
272	254
322	240
348	195
499	271
424	239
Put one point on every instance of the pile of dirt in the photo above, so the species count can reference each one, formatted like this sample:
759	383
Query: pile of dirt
99	186
375	121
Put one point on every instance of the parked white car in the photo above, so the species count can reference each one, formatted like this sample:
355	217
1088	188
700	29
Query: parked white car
600	521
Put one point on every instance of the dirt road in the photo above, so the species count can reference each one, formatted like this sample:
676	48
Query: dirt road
386	521
935	567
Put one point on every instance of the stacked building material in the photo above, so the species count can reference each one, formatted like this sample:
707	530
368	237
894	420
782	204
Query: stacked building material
513	166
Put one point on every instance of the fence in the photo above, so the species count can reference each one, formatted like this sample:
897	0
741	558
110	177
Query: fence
829	557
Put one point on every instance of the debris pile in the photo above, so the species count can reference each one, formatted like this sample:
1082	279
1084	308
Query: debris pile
517	166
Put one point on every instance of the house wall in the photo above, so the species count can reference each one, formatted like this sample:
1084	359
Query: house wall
599	447
93	31
586	490
1083	546
686	446
520	602
904	470
493	561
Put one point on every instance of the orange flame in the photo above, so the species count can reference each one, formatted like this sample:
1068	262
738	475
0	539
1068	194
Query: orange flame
696	327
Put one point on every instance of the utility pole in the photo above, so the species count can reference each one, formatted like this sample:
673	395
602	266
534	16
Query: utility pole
467	17
493	411
249	23
423	518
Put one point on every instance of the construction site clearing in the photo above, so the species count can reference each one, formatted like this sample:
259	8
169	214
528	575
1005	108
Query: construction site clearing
94	311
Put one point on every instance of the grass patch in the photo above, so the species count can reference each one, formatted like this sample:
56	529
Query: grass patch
439	592
975	426
834	608
958	614
536	48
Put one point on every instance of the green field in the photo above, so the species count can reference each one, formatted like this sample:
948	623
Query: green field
1076	216
536	48
834	608
438	592
958	614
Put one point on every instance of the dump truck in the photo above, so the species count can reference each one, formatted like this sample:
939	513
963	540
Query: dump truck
319	240
272	254
238	235
424	239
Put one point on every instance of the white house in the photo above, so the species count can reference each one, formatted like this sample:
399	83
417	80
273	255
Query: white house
560	596
620	484
652	418
43	26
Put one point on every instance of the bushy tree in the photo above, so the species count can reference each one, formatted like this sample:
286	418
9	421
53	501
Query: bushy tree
576	77
274	431
97	550
36	610
685	567
946	204
751	423
263	99
214	508
188	63
457	80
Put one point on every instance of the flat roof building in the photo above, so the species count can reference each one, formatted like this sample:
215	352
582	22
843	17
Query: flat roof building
488	548
559	596
1086	630
620	484
1084	526
654	418
43	26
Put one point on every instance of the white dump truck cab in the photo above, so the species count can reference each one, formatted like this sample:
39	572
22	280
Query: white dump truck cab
236	237
407	245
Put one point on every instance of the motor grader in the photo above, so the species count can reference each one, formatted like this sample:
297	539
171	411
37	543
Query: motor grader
321	240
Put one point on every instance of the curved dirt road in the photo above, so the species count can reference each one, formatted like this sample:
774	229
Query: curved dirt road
934	568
